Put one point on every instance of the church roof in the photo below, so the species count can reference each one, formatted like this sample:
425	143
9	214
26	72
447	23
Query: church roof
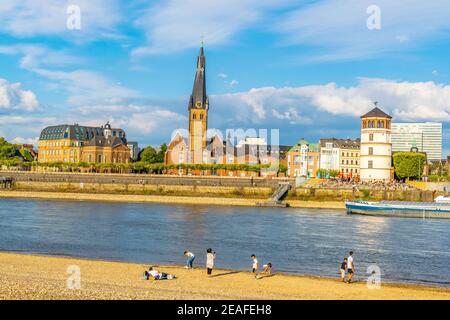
198	98
376	112
104	142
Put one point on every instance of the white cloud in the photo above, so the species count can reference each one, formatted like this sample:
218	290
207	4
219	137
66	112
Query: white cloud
405	101
21	140
87	87
222	75
233	83
179	24
338	28
141	121
14	97
27	18
291	115
35	55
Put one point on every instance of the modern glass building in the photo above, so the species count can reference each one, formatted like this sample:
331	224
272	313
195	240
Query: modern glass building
426	136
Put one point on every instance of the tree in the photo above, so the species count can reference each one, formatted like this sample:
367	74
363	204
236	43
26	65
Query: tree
7	150
408	165
162	152
149	155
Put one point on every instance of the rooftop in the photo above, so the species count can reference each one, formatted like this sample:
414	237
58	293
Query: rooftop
376	112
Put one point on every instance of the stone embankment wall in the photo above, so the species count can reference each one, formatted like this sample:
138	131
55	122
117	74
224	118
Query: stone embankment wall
222	187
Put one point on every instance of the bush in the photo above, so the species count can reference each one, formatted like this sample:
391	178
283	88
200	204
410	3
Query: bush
408	165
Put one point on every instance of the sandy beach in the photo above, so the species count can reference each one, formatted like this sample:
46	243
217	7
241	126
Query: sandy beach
163	199
39	277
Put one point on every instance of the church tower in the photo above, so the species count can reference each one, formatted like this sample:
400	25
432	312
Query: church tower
198	113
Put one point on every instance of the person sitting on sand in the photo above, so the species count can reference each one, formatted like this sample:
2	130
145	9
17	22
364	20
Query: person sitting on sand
267	271
267	268
343	269
210	257
190	260
155	274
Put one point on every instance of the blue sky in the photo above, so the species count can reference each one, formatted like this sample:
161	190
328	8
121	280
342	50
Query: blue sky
308	68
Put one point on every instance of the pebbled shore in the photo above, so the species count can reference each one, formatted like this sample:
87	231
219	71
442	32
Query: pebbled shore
40	277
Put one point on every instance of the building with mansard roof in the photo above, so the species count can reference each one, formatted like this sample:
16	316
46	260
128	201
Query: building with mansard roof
75	143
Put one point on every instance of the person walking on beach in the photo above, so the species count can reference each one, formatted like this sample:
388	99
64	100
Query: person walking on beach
343	269
190	259
210	257
350	267
255	265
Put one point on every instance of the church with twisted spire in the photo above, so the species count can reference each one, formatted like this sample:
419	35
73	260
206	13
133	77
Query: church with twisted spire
197	148
198	113
193	149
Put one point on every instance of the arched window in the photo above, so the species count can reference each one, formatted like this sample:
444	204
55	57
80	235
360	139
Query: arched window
194	116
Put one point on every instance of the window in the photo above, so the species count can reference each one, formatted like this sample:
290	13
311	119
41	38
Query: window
370	164
201	116
371	137
370	151
194	116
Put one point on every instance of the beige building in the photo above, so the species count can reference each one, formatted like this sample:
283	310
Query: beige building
349	162
75	143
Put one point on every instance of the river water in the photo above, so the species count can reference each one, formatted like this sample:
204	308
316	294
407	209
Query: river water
303	241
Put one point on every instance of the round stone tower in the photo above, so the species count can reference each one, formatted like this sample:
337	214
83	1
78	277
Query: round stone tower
376	147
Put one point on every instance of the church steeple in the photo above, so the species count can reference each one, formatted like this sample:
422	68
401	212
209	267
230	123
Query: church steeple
199	99
198	113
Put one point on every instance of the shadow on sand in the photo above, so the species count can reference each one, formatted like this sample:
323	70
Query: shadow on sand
262	276
224	274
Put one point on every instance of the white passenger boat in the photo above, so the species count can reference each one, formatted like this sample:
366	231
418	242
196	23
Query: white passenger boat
438	209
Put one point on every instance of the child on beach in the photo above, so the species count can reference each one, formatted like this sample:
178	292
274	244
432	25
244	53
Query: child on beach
190	260
210	257
343	269
267	268
255	265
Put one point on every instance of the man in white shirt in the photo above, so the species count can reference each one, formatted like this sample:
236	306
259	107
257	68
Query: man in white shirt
255	265
350	267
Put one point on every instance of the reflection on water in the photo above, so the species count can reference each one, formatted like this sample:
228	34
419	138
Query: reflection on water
307	241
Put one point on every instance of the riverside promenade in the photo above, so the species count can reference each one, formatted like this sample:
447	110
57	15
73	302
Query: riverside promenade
40	277
206	190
